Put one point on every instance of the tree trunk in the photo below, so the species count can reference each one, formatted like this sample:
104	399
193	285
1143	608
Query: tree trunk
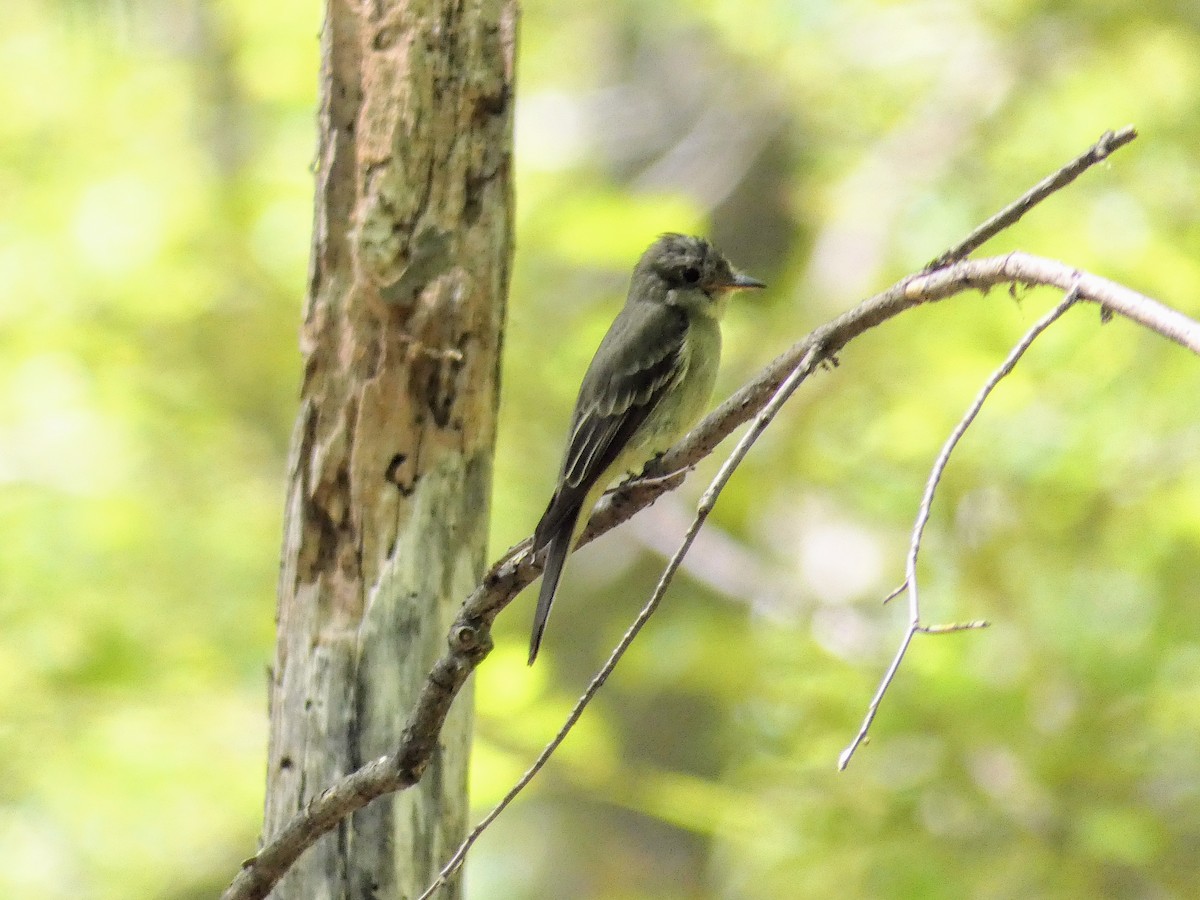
390	471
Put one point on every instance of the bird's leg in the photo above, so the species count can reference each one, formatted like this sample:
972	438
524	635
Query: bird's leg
645	478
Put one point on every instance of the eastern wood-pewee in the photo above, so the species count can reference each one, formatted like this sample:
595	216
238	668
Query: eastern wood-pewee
648	384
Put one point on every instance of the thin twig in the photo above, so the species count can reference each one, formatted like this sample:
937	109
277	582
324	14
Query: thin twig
1007	217
951	627
895	592
931	486
803	369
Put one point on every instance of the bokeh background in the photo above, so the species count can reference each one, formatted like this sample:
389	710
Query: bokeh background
155	203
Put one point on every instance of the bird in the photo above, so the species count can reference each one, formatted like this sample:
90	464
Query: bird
649	382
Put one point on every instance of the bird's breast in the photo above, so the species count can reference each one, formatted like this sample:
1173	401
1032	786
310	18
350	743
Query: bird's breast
683	406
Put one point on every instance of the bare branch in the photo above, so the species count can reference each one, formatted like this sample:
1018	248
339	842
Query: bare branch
1101	150
469	640
931	485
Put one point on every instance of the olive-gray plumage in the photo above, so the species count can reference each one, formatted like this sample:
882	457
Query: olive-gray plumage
648	384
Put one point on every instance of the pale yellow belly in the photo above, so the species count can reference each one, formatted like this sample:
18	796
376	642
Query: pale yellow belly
677	413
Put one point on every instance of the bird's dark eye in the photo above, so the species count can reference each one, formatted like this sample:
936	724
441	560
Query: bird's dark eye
691	274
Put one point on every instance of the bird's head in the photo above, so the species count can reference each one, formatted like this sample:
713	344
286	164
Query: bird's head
687	272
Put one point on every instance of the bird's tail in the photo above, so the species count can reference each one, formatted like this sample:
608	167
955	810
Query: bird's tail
556	556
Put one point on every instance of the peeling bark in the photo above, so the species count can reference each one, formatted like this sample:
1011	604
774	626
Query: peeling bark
389	477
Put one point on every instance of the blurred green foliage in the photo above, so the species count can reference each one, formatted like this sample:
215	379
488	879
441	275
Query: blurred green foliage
155	201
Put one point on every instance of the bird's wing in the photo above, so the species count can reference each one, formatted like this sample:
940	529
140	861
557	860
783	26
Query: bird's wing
640	359
638	362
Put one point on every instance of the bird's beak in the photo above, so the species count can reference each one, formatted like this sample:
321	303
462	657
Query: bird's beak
743	282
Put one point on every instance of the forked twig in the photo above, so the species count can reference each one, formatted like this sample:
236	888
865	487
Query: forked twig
918	532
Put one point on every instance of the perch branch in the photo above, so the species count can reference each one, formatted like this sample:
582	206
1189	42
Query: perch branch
469	640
